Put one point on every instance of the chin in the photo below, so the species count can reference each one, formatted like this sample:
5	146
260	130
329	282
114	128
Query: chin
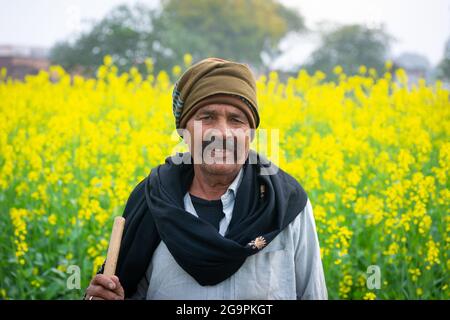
221	169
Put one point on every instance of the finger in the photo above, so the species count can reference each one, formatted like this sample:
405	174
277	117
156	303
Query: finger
101	292
105	281
119	289
89	291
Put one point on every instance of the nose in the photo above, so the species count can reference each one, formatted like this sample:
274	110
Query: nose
223	130
221	134
221	126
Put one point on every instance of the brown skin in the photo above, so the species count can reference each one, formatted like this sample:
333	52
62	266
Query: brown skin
103	287
210	180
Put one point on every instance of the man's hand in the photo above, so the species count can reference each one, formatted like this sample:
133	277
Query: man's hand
104	287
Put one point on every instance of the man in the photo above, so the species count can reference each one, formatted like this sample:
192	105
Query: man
218	222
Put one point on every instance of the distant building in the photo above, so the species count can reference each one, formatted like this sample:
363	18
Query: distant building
416	66
21	60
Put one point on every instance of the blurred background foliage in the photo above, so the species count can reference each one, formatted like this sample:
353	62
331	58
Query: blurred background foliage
243	30
249	31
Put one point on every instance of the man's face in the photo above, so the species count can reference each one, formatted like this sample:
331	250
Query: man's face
219	138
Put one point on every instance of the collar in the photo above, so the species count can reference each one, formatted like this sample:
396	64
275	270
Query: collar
229	196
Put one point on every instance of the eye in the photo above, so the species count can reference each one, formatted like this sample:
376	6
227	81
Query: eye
237	120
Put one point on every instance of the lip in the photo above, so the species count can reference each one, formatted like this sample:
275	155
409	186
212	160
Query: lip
220	151
222	154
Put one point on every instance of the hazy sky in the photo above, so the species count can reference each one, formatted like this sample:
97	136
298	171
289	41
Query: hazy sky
420	26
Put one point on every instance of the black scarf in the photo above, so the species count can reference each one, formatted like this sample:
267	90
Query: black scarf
155	212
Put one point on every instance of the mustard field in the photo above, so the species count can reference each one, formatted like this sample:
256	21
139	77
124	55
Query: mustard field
372	152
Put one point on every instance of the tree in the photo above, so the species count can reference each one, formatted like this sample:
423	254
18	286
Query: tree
350	47
125	34
242	30
443	69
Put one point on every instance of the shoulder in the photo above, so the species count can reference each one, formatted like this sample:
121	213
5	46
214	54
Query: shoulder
303	215
304	224
136	197
293	191
289	181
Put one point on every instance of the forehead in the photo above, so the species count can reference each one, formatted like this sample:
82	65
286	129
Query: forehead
220	108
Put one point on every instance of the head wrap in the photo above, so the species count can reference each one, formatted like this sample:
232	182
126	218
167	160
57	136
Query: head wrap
217	81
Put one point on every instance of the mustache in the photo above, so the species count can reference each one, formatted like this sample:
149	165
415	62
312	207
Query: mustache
216	142
229	143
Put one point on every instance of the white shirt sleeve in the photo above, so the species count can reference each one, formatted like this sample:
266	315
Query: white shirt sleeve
309	275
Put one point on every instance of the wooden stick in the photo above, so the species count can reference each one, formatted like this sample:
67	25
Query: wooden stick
114	246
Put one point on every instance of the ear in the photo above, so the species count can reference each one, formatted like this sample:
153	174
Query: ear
252	134
181	132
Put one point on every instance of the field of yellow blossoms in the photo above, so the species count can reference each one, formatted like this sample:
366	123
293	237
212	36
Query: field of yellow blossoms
372	152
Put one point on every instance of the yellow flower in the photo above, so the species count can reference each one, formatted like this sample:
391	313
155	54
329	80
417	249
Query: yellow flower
388	65
432	253
349	196
149	64
415	274
61	268
370	296
52	219
92	251
176	71
107	60
60	232
362	70
187	58
345	286
98	261
338	70
392	250
329	197
18	217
